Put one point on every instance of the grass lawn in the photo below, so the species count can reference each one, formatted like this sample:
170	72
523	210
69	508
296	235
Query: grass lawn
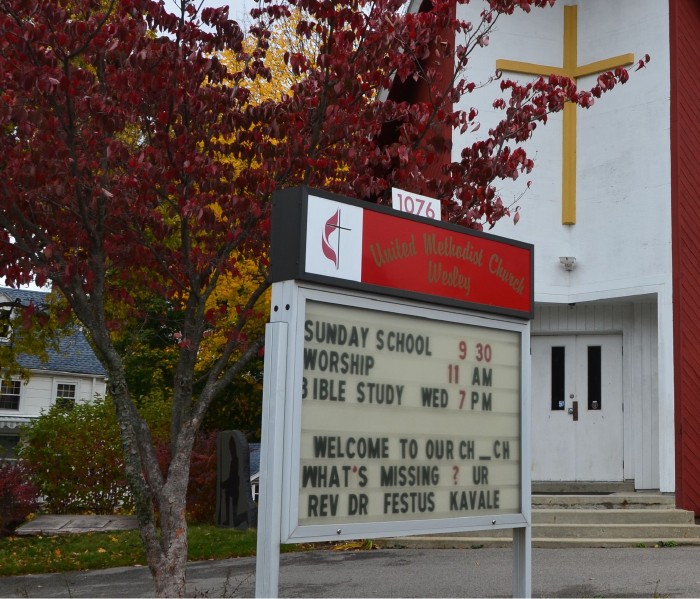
60	553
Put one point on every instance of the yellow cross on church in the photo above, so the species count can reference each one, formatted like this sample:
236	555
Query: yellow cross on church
572	71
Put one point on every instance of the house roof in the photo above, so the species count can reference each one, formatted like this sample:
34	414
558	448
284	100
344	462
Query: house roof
74	354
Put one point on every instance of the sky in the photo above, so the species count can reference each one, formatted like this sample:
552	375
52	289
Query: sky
238	10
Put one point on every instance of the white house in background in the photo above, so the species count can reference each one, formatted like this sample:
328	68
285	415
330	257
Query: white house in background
71	374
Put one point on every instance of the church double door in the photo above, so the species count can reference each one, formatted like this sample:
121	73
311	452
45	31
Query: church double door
577	418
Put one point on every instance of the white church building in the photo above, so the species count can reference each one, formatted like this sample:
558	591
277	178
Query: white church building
615	346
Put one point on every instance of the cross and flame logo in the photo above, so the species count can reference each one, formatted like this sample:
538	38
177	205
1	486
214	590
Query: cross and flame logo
331	250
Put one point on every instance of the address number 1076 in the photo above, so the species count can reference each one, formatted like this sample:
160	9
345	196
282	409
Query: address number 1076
413	203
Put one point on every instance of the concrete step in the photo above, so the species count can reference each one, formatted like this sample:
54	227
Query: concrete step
581	488
620	531
611	519
599	531
464	542
605	501
612	516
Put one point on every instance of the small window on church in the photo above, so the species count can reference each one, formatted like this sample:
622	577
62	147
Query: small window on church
558	378
594	377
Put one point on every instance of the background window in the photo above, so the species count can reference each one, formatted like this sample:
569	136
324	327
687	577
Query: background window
8	445
5	323
65	395
9	395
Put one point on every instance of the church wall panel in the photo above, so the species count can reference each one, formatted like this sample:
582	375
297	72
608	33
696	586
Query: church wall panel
685	146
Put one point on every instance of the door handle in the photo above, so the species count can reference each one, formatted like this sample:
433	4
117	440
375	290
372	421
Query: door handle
573	410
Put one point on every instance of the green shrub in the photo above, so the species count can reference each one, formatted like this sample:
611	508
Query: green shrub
240	406
75	459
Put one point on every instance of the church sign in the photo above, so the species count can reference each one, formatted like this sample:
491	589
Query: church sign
395	395
350	244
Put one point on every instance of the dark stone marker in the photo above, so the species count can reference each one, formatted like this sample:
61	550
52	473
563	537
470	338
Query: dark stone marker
235	507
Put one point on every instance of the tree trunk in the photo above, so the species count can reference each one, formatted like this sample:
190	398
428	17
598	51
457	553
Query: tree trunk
160	503
169	574
168	551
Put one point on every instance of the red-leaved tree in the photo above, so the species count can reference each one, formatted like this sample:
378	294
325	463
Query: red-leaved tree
134	164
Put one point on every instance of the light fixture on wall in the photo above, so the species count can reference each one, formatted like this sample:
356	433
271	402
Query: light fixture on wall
568	262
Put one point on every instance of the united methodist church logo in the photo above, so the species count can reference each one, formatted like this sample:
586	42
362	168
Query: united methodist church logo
336	230
330	248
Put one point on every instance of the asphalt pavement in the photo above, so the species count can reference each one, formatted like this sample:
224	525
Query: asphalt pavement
485	572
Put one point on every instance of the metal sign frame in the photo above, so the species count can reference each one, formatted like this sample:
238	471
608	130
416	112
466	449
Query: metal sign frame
280	468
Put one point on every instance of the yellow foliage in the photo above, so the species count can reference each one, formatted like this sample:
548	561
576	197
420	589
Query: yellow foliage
231	295
283	39
359	545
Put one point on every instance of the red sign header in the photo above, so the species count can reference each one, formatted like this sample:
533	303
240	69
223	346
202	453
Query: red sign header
420	257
